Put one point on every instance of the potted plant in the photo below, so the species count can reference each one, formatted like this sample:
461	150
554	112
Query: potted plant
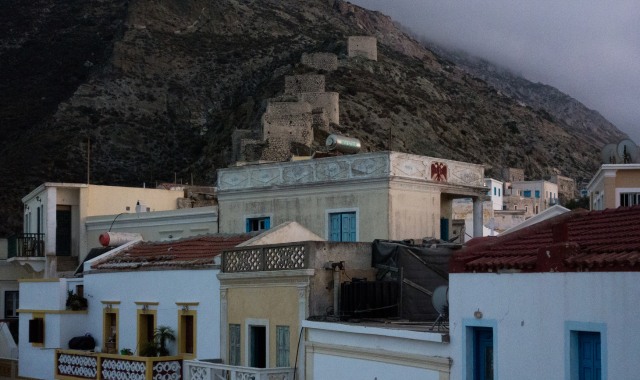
75	301
161	335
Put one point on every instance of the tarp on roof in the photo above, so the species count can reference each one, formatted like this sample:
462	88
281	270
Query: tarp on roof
93	253
426	266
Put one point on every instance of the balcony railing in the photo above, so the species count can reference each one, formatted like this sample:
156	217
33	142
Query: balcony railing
200	370
268	258
73	364
26	245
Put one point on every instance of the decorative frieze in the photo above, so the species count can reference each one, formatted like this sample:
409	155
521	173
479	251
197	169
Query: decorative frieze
283	257
352	167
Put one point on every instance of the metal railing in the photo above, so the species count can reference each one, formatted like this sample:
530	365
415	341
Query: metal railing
201	370
26	245
267	258
74	364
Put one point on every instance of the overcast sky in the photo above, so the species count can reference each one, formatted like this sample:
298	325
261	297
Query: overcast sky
589	49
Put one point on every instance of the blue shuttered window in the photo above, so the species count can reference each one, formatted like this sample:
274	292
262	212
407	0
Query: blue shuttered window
234	344
282	346
257	224
342	226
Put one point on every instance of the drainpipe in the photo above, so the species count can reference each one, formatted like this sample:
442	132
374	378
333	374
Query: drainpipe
336	268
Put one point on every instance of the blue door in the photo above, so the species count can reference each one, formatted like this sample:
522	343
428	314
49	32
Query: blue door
589	360
483	354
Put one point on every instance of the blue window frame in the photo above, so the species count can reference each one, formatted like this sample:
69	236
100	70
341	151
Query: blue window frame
527	193
282	346
537	193
257	224
342	226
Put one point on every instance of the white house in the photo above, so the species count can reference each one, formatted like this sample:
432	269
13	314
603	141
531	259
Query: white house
558	299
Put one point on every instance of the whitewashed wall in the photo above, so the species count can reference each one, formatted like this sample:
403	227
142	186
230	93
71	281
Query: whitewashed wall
166	287
530	314
46	297
341	351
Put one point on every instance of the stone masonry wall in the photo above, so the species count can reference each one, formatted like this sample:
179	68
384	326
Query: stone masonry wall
320	61
328	101
362	46
298	84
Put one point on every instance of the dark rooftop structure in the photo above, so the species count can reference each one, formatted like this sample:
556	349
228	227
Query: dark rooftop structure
577	241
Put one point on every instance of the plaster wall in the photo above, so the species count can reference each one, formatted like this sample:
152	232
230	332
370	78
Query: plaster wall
537	310
328	101
310	206
155	226
414	212
104	200
628	178
320	61
362	46
166	287
298	84
335	350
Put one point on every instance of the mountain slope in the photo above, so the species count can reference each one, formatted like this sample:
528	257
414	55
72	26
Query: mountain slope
159	86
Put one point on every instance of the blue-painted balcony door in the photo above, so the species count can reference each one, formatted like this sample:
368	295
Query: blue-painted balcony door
483	354
589	357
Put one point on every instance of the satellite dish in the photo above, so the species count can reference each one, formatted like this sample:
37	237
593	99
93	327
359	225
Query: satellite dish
609	154
440	299
440	302
627	152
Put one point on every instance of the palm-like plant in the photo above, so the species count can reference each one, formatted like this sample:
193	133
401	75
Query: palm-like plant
161	335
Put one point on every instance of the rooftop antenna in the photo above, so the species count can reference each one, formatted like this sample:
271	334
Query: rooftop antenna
88	158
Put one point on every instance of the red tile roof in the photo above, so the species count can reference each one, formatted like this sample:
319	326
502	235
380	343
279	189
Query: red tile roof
188	252
580	240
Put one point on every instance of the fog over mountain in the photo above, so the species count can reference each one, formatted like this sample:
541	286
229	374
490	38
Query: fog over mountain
588	49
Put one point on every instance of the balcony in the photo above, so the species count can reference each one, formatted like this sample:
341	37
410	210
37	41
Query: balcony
74	364
26	245
201	370
27	249
266	258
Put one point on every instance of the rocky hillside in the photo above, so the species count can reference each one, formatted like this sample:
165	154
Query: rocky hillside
159	86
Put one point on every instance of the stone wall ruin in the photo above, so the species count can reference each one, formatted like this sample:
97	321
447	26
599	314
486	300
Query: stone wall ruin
362	46
320	61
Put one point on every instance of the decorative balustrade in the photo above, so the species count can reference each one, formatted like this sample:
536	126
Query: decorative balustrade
26	245
73	364
200	370
270	258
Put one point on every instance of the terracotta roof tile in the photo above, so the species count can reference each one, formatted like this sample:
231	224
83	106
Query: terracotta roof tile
581	240
188	252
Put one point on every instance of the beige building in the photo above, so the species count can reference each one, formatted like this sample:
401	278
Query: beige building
55	214
532	196
615	185
267	291
362	197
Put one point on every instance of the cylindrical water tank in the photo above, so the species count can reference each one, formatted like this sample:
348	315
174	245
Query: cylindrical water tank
115	239
343	144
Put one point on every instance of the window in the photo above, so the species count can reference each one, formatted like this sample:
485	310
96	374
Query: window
282	346
110	329
343	226
234	344
36	330
527	193
537	193
11	304
258	224
495	191
629	199
187	332
499	192
482	353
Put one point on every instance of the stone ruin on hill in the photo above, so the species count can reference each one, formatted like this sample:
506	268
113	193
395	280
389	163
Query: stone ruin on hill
290	119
